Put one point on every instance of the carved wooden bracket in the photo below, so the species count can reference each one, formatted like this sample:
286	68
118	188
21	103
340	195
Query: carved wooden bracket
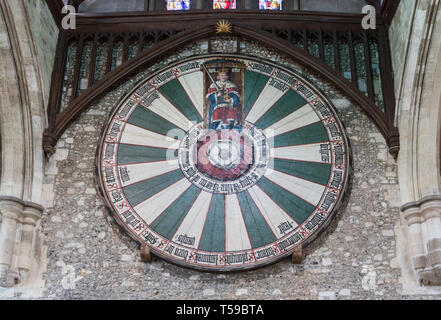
146	255
297	255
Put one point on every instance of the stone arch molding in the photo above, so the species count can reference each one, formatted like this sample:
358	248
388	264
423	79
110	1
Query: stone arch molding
22	119
419	120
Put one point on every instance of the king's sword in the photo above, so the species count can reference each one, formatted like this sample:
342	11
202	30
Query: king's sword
211	78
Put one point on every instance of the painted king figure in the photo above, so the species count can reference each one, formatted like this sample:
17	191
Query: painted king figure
224	102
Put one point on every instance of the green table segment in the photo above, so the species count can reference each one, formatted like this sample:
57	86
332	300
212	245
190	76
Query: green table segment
223	163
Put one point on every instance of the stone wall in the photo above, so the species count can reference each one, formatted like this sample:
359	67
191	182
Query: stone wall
90	257
22	121
416	45
45	36
399	33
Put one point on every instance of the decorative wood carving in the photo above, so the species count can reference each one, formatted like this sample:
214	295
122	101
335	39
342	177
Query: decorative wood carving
276	30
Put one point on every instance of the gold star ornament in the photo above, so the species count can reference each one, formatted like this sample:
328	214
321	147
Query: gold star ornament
223	26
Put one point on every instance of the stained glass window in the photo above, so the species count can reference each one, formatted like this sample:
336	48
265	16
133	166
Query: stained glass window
178	4
270	4
224	4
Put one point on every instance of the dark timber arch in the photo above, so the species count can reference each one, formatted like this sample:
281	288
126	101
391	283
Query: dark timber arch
384	121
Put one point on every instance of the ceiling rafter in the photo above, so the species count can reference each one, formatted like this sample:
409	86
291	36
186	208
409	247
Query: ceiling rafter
56	6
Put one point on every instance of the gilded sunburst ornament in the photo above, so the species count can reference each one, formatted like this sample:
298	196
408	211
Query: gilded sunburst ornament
223	26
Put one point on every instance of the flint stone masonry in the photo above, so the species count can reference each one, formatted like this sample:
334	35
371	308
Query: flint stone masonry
102	262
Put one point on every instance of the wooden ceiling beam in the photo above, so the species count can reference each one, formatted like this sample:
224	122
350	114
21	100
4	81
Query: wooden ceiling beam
136	21
388	10
76	3
375	3
55	6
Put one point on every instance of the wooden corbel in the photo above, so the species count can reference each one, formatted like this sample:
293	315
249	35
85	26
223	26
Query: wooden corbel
146	255
297	255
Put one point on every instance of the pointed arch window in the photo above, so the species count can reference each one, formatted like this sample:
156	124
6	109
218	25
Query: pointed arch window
224	4
270	4
178	5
